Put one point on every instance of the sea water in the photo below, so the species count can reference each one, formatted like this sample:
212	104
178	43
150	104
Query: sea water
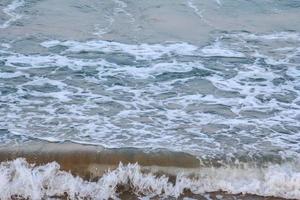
219	80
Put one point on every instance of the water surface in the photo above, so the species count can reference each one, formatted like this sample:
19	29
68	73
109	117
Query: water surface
219	80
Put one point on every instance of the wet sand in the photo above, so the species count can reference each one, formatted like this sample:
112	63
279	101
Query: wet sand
212	196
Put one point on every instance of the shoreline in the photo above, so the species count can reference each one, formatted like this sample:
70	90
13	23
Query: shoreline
91	162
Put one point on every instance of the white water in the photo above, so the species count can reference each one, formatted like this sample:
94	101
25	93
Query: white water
10	11
36	182
228	88
140	52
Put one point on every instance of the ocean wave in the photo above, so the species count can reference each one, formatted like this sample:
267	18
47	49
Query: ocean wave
19	178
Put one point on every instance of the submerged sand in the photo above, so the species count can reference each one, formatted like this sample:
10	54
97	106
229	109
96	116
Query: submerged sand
90	161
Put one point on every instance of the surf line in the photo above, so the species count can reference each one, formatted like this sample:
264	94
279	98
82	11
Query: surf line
9	10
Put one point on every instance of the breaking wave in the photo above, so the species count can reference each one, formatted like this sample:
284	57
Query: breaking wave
19	178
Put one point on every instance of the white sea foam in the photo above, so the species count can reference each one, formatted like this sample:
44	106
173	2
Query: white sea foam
219	2
9	10
271	36
5	45
174	95
216	50
119	9
11	75
199	12
147	51
195	8
36	182
142	51
38	61
101	31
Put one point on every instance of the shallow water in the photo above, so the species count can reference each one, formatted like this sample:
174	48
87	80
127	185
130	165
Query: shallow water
219	80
